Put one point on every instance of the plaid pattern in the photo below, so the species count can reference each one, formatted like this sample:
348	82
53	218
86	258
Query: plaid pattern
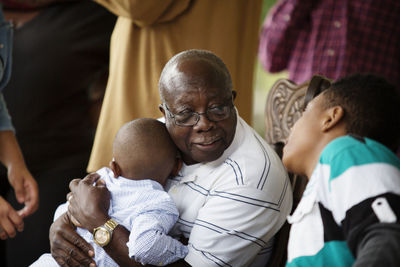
334	38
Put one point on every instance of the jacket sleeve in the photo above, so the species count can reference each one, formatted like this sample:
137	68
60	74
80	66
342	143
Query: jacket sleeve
5	119
149	12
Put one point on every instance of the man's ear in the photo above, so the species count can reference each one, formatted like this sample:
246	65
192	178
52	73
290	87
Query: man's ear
332	117
115	168
233	94
161	108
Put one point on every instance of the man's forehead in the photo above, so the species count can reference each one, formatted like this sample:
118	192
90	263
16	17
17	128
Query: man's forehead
195	74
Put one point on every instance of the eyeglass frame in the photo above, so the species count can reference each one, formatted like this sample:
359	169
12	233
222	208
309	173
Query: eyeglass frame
317	85
197	114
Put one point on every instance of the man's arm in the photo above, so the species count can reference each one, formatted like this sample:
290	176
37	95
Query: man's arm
25	186
89	205
67	247
118	250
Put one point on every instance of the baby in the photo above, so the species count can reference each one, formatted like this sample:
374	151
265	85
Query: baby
144	156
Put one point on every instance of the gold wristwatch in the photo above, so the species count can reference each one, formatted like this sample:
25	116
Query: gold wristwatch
102	234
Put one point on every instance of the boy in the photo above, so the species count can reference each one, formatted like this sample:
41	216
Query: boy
349	213
144	156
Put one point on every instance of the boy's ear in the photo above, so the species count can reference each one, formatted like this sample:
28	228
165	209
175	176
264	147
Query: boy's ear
115	168
332	117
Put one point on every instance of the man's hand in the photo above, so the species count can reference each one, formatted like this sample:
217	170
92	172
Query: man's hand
10	221
89	201
26	189
67	247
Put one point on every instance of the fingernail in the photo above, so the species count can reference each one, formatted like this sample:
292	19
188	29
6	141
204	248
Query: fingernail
91	253
92	265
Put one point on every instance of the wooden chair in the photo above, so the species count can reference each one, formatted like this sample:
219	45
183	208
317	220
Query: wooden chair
285	104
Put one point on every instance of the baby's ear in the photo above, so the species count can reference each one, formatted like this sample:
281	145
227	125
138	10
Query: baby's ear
115	168
332	117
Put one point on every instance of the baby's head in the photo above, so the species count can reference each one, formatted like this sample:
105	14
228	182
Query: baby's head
362	104
143	149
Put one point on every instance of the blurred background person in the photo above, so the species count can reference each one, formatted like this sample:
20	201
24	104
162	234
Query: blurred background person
334	38
60	54
19	177
148	33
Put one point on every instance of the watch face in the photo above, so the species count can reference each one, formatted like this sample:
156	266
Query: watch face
101	236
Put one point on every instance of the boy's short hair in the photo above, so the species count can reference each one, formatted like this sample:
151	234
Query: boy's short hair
371	107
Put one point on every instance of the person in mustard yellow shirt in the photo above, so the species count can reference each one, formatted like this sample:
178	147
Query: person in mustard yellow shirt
148	33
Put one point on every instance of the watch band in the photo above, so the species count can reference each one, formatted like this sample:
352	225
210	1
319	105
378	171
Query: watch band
111	224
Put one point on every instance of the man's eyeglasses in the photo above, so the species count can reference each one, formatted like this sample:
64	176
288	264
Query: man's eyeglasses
191	118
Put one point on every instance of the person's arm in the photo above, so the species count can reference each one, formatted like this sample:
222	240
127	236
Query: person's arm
379	246
149	242
280	31
89	205
118	250
145	13
67	247
25	186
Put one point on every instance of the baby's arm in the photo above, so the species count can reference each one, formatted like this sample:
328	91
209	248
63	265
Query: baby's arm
149	243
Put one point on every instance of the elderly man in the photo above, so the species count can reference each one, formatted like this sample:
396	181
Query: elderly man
233	193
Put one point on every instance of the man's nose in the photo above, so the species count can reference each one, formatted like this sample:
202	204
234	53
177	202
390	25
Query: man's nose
204	124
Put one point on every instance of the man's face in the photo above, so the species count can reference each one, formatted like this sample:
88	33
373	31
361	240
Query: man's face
191	91
303	137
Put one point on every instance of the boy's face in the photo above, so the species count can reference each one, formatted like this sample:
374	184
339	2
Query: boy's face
302	141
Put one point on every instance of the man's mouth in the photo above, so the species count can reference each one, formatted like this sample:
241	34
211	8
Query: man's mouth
208	144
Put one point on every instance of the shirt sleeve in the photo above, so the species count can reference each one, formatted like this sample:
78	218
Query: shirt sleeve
63	208
145	13
280	31
149	243
5	119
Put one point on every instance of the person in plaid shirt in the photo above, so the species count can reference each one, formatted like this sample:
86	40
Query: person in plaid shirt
334	38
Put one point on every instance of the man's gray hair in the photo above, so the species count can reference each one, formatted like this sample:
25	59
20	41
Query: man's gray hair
216	62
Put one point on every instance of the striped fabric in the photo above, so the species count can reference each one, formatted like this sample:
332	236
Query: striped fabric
352	174
147	211
231	208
